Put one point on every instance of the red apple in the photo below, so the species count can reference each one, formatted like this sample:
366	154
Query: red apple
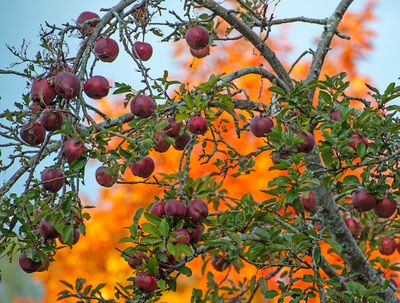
96	87
196	234
197	37
33	133
52	179
85	16
47	230
161	145
182	141
385	208
42	91
335	115
197	210
28	265
158	209
173	128
277	156
136	261
180	236
387	246
219	263
35	107
353	225
51	119
308	143
44	265
67	85
355	139
72	150
106	49
143	106
143	168
175	208
200	53
105	177
309	202
198	125
142	50
260	126
146	282
363	200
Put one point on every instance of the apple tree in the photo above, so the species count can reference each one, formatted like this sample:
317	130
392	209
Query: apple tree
330	148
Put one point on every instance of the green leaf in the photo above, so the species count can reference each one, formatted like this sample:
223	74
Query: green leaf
136	218
164	228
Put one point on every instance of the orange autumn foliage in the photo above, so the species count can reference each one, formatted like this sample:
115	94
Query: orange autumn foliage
95	257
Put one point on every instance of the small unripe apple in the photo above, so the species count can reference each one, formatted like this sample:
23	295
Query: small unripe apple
197	37
197	210
196	234
355	139
106	49
219	263
335	115
180	236
85	16
42	91
47	230
44	265
136	261
104	177
309	202
385	208
175	208
260	126
387	246
198	125
363	200
28	265
51	119
143	168
146	282
200	53
182	141
143	106
354	227
67	85
158	209
52	179
73	150
96	87
142	50
161	144
173	128
33	133
308	143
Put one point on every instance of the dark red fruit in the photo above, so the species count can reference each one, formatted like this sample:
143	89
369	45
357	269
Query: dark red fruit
142	50
161	144
85	16
180	236
106	49
308	143
355	139
385	208
33	133
196	234
387	246
175	208
51	119
136	261
309	202
47	230
96	87
363	200
72	150
104	176
277	156
158	209
35	107
200	53
28	265
173	128
182	141
260	126
143	106
44	265
197	37
335	115
171	261
219	263
198	125
353	225
67	85
42	91
146	282
197	210
52	179
143	168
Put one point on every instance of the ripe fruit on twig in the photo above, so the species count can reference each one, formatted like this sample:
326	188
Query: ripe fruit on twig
47	230
354	227
335	115
137	259
182	141
85	16
308	143
44	265
196	234
385	208
51	119
161	144
52	179
143	106
42	91
67	85
105	177
143	168
277	156
309	202
158	209
96	87
197	37
28	265
363	200
146	282
33	133
200	53
180	236
73	150
260	126
198	125
106	49
173	128
355	139
197	210
387	246
142	50
175	208
219	263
